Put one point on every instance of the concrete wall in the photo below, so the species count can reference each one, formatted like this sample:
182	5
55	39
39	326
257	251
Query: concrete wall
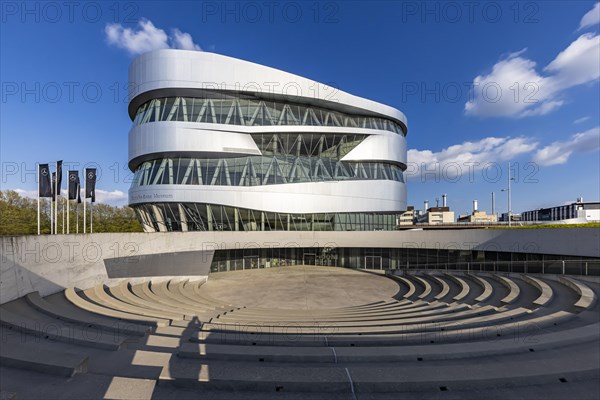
50	263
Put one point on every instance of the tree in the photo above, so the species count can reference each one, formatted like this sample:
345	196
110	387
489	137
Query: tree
18	216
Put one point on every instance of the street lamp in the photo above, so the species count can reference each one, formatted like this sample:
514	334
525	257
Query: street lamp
508	191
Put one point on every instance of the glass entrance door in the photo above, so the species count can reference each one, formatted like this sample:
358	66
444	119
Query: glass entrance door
309	259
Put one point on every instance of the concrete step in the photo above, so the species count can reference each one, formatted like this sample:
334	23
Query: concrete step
514	290
371	319
43	360
20	317
355	326
528	327
587	297
96	306
220	376
77	316
385	354
464	286
546	293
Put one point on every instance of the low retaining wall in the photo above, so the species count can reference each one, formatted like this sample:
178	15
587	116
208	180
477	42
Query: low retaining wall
49	263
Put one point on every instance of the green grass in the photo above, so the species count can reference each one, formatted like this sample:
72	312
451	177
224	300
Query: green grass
545	226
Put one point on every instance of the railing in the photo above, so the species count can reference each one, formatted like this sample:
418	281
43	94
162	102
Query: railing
559	267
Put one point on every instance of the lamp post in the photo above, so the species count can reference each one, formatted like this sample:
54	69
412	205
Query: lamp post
508	191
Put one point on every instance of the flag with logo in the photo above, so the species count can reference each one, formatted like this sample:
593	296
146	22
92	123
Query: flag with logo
90	184
58	176
73	185
45	185
54	186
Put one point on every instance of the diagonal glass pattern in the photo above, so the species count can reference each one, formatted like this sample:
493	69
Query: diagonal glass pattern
257	171
246	110
213	217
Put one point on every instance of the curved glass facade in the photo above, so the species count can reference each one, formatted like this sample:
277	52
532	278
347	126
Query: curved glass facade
246	110
167	217
256	171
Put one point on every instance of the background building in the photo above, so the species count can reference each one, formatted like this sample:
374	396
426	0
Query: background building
478	217
574	213
219	143
436	215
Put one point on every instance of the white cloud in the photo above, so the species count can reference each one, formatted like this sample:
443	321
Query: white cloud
32	194
582	119
514	87
466	157
113	197
559	152
577	64
147	37
184	41
591	18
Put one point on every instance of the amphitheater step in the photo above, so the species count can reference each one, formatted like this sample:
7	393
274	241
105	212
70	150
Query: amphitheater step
43	360
77	316
587	297
220	376
20	317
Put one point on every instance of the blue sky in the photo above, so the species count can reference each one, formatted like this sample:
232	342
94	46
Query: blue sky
482	83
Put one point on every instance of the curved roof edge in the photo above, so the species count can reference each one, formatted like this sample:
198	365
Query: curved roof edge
183	69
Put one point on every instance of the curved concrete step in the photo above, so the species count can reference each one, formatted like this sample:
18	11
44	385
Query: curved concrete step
84	304
514	290
464	286
412	325
161	290
43	360
443	284
426	286
82	318
20	317
523	329
361	378
487	288
122	293
239	316
143	290
546	293
394	353
587	297
366	327
230	318
99	295
407	283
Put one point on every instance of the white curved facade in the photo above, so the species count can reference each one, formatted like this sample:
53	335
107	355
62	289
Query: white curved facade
219	143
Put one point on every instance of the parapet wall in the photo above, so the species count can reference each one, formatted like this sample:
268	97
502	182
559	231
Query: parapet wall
48	264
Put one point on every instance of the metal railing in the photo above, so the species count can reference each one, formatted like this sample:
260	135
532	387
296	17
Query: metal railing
559	267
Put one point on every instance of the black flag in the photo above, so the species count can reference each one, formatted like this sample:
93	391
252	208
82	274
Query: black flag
73	184
53	186
45	186
58	176
90	184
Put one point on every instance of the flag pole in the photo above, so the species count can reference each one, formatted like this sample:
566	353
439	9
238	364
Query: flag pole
63	216
38	211
77	214
51	216
84	200
68	206
91	217
56	202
